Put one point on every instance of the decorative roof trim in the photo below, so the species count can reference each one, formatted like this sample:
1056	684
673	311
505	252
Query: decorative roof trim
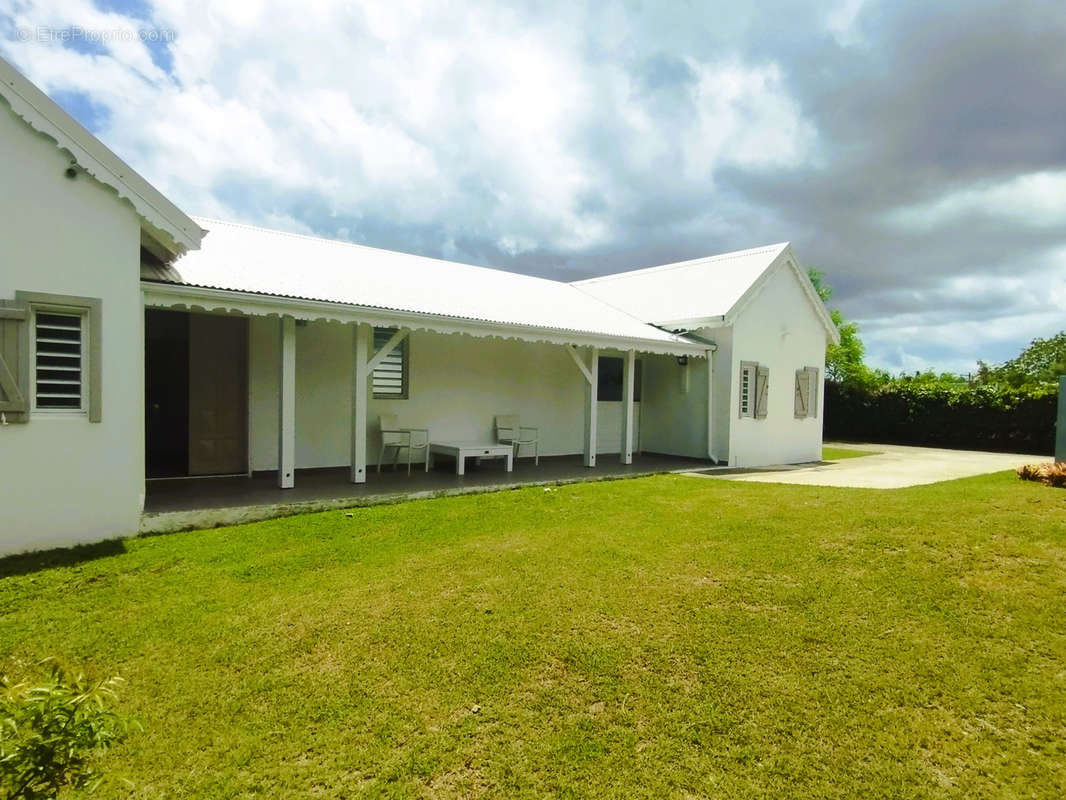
165	221
196	298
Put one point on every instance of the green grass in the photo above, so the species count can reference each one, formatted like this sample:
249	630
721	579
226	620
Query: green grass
839	453
661	637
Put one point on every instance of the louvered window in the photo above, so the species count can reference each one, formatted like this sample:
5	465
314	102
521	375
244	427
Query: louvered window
390	376
59	360
748	371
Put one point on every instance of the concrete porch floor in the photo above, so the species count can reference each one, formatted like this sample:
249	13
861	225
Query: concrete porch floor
190	503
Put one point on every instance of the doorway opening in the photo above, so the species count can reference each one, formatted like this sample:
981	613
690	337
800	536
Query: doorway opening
196	394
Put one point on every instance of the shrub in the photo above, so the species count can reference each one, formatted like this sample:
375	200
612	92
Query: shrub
1049	474
940	414
51	729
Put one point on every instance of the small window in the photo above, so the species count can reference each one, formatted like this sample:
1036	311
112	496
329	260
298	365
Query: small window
59	361
610	379
753	390
390	377
748	371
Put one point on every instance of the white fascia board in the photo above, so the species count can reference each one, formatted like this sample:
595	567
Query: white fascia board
693	324
787	259
197	298
162	219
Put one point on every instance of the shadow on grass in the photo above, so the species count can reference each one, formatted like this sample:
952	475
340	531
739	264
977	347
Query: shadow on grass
28	563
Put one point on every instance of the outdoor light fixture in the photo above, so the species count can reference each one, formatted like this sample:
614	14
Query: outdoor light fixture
682	361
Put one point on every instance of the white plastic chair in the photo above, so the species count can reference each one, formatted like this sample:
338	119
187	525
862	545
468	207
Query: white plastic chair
397	438
509	430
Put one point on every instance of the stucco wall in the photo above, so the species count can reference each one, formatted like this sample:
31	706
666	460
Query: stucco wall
457	384
64	480
675	419
779	329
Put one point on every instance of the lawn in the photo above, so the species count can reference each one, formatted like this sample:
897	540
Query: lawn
840	453
659	637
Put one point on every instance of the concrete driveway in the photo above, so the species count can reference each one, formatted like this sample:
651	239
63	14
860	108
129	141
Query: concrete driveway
895	467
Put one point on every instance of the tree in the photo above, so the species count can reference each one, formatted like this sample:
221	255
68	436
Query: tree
1043	361
844	362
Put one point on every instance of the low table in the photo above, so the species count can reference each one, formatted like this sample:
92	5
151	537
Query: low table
461	451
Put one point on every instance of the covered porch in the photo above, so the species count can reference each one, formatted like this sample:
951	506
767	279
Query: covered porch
263	406
187	503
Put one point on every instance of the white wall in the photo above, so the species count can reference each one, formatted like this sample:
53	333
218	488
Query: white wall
64	480
675	420
457	384
779	329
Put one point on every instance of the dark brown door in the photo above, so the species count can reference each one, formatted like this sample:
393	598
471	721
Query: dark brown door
218	394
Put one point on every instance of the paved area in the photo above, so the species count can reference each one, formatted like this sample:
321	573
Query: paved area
188	503
895	467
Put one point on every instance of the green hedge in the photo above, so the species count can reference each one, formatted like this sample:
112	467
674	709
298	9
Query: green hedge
1007	419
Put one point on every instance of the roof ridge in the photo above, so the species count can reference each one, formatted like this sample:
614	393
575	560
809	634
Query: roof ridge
688	263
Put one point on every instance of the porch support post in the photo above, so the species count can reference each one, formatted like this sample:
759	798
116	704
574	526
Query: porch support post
628	376
287	405
360	371
592	397
591	372
710	405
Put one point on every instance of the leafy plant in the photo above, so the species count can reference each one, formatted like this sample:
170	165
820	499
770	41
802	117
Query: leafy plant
944	414
51	730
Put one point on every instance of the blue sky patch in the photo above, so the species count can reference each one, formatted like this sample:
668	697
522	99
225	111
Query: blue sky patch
83	108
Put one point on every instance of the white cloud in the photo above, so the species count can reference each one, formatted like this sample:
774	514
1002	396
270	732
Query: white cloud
841	22
1035	200
468	120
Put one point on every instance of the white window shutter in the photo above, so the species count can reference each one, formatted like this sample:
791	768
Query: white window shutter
815	385
13	375
803	386
762	386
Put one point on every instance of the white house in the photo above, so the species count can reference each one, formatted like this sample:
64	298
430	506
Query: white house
139	343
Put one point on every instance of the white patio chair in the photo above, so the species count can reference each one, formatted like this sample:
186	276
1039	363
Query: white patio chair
509	430
397	438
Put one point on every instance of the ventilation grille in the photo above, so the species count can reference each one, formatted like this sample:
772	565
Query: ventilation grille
59	360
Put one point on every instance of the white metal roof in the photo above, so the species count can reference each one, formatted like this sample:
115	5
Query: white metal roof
698	289
244	258
165	221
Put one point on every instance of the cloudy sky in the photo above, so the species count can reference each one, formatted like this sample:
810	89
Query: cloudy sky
913	151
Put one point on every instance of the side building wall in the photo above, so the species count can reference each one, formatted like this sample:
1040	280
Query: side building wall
779	329
63	479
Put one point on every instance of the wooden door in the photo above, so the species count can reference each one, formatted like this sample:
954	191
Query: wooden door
218	394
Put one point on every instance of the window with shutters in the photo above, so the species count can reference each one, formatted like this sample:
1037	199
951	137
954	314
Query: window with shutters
59	361
390	377
748	372
61	349
807	386
754	389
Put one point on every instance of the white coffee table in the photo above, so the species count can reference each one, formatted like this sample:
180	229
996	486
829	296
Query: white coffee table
461	451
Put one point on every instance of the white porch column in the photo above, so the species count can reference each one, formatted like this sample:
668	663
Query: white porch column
591	371
710	405
360	371
287	404
592	399
628	376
